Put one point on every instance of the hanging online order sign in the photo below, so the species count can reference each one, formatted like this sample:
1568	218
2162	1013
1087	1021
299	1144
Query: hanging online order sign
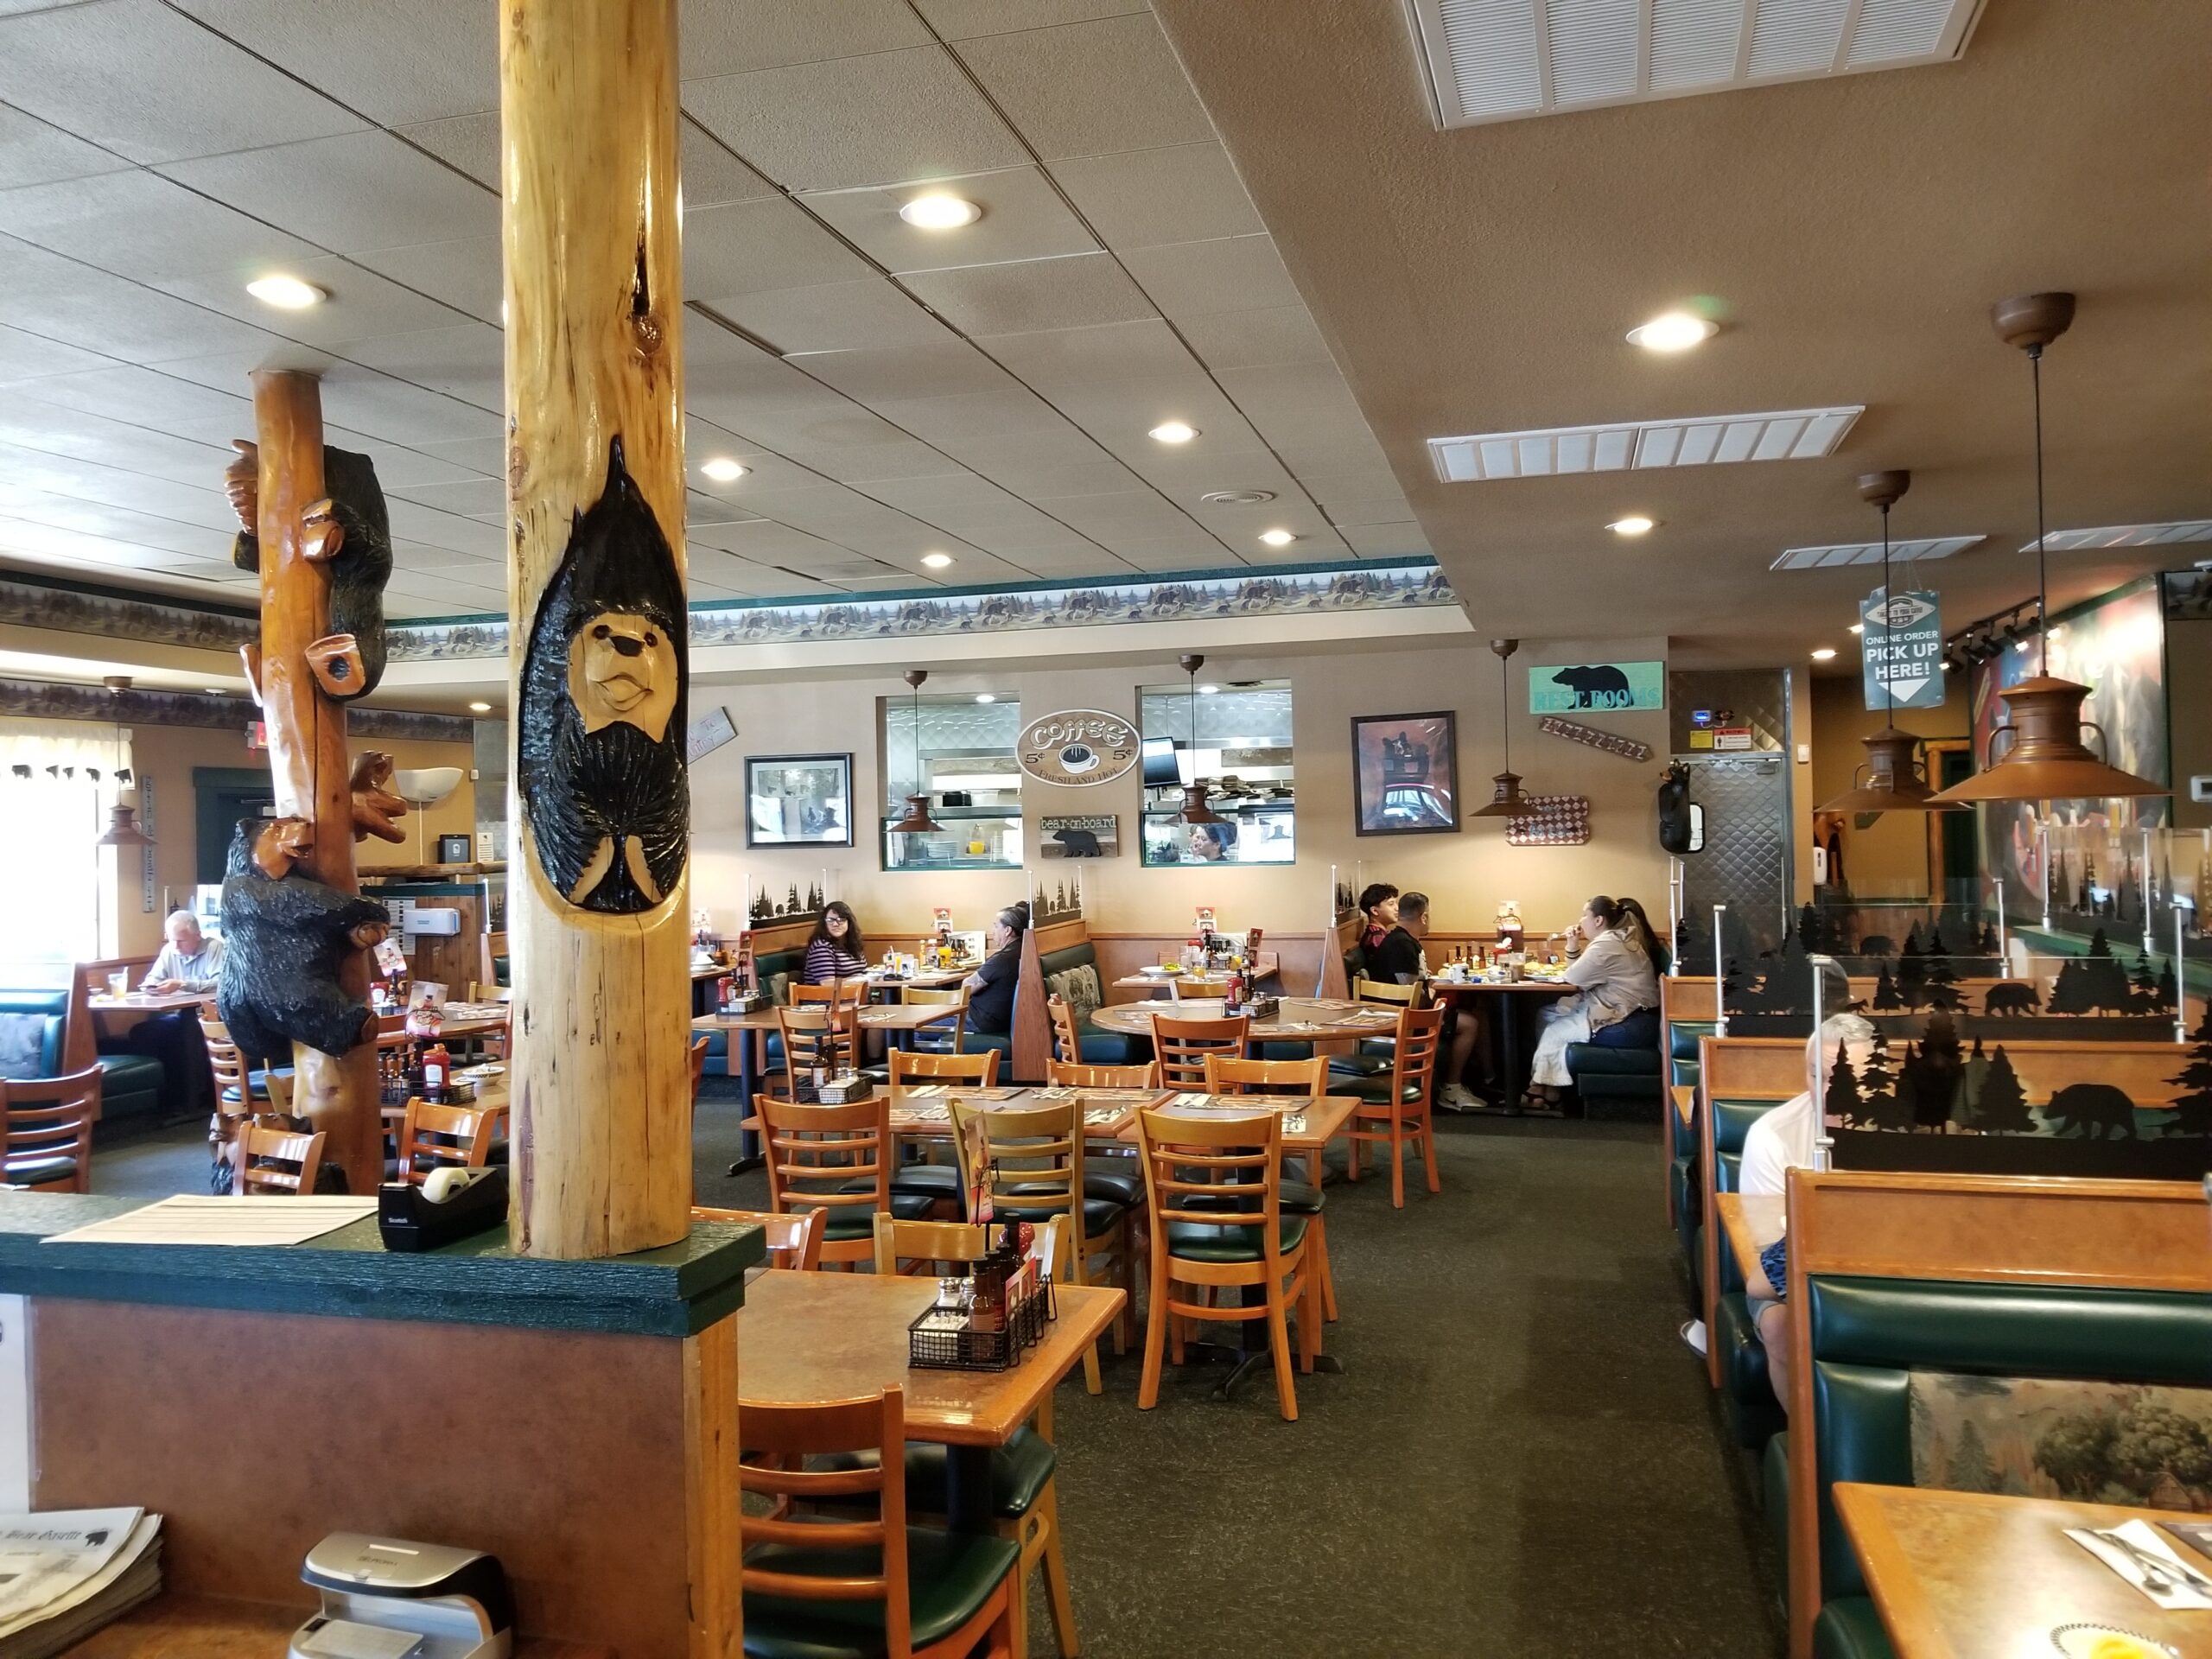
1902	648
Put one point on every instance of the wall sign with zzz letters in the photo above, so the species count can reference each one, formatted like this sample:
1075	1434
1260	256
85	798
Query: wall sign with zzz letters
1077	747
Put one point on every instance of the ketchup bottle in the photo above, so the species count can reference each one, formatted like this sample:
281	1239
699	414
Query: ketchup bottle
1232	998
437	1067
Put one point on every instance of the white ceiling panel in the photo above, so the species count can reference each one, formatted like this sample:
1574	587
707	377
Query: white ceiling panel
1091	89
437	529
1078	291
962	19
831	317
872	463
743	247
144	82
1149	198
486	457
1404	539
32	152
395	61
718	38
974	417
470	142
877	119
148	397
1247	340
76	305
397	412
50	429
949	368
473	495
362	303
358	190
464	274
1196	279
1023	218
711	174
425	559
26	357
1053	360
467	361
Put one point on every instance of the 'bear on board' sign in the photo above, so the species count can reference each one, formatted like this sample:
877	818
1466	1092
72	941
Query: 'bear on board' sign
1584	687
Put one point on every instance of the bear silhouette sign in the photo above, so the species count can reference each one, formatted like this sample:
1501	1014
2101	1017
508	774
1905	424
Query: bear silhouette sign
1596	687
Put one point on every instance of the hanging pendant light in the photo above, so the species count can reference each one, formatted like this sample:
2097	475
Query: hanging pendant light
1195	810
1894	780
918	821
1509	802
2047	759
123	829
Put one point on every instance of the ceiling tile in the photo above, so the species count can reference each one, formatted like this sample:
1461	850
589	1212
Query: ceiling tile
834	316
749	247
399	413
470	142
32	152
466	274
1024	217
23	356
959	19
866	463
468	361
361	304
1144	198
1402	540
148	397
395	61
854	121
142	226
711	175
1196	279
146	82
1124	514
718	38
946	369
421	556
448	530
398	465
1245	340
484	456
358	191
1089	89
1073	292
1121	417
1057	360
767	542
1036	469
1015	412
72	303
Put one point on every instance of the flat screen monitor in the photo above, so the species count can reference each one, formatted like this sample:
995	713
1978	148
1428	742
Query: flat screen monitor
1160	770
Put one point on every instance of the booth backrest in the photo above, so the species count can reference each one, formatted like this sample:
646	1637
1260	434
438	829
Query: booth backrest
2091	1281
48	1007
1054	948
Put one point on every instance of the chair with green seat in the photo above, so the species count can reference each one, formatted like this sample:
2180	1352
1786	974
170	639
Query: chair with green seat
1112	1173
1193	1167
49	1129
836	1159
1308	1079
1071	973
1395	1108
1182	1043
938	1182
945	1034
1371	1057
824	1585
1987	1277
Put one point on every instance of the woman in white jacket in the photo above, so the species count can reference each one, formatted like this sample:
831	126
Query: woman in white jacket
1618	976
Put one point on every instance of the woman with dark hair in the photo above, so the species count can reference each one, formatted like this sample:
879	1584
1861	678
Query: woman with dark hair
1617	974
837	950
990	1008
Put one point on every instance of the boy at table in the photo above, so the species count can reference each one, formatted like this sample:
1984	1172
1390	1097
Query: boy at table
1462	1025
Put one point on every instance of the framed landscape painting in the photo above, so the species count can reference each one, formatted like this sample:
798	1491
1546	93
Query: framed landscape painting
1405	774
798	800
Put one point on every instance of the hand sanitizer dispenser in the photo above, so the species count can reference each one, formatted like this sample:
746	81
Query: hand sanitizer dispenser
389	1598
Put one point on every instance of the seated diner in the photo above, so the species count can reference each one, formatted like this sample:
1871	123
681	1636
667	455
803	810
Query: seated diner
1617	975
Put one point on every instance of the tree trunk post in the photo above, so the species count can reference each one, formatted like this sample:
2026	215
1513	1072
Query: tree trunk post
308	759
599	879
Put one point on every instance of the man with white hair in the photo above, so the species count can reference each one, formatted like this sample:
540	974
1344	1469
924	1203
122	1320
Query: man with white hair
189	960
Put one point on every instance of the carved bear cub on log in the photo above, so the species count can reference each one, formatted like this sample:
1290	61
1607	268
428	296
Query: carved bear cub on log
284	937
599	746
350	531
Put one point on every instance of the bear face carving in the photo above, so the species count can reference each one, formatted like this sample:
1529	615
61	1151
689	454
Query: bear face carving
622	667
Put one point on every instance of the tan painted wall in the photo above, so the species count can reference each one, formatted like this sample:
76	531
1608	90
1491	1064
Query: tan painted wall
1466	874
1890	859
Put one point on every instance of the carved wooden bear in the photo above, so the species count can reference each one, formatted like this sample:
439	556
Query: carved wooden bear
285	937
349	530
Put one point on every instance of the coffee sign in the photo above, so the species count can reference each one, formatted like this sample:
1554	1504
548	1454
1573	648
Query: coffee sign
1077	747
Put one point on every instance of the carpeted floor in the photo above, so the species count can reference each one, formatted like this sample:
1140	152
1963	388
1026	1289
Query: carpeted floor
1520	1459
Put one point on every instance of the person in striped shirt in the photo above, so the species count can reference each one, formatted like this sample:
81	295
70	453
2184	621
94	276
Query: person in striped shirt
837	950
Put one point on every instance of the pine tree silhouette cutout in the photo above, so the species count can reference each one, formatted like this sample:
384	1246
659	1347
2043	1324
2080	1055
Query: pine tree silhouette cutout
1840	1104
1885	992
2002	1106
2192	1113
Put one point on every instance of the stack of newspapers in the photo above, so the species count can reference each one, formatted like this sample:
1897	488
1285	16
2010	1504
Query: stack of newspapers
66	1573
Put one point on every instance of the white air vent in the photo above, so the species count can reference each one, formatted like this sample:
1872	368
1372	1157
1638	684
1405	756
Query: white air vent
1790	434
1504	60
2069	541
1825	558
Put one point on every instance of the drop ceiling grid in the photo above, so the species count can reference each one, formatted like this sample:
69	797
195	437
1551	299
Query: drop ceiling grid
412	374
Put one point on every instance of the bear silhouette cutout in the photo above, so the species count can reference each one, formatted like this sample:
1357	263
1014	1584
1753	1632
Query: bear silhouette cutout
2012	996
2100	1111
1079	844
1602	686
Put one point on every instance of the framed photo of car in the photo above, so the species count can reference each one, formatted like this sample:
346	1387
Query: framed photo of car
795	800
1405	774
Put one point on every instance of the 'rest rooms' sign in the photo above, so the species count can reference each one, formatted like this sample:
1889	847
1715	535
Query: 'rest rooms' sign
1077	747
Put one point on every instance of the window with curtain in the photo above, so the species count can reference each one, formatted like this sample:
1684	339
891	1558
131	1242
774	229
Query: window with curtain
54	794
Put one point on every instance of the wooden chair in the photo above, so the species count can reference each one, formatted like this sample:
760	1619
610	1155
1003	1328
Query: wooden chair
947	1034
1183	1045
1067	1044
980	1070
1227	1075
801	1574
1398	1101
823	1038
276	1160
838	993
1038	1173
50	1130
1370	1057
437	1137
836	1159
1081	1074
698	1071
794	1242
1195	1168
1034	1524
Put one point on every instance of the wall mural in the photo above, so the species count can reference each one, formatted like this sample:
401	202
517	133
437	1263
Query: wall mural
2091	1442
32	604
56	700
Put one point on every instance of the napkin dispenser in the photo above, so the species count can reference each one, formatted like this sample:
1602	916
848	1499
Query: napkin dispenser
452	1204
389	1598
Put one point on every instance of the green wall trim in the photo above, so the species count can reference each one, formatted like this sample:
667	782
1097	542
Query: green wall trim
675	1292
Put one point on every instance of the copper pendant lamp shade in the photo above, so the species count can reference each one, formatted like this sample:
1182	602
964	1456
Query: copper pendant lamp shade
1509	802
2046	759
918	821
1194	809
123	829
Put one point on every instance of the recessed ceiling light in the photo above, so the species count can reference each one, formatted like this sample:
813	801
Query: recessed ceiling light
1635	525
1824	653
1208	690
1174	432
1676	331
479	708
1277	537
939	213
1237	497
722	469
1858	627
985	696
286	293
937	560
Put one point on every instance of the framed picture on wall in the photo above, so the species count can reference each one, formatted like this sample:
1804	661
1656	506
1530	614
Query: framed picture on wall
1405	774
798	800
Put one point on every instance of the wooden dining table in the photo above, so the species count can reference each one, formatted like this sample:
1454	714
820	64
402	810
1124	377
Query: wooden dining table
1265	966
1972	1575
175	1625
1512	996
1310	1122
924	1111
806	1337
1310	1019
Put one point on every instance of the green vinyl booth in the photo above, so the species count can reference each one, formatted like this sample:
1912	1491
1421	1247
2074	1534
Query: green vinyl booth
1747	1398
131	1085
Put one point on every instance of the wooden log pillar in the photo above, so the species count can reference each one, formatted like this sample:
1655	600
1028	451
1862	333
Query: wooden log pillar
308	761
602	1145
